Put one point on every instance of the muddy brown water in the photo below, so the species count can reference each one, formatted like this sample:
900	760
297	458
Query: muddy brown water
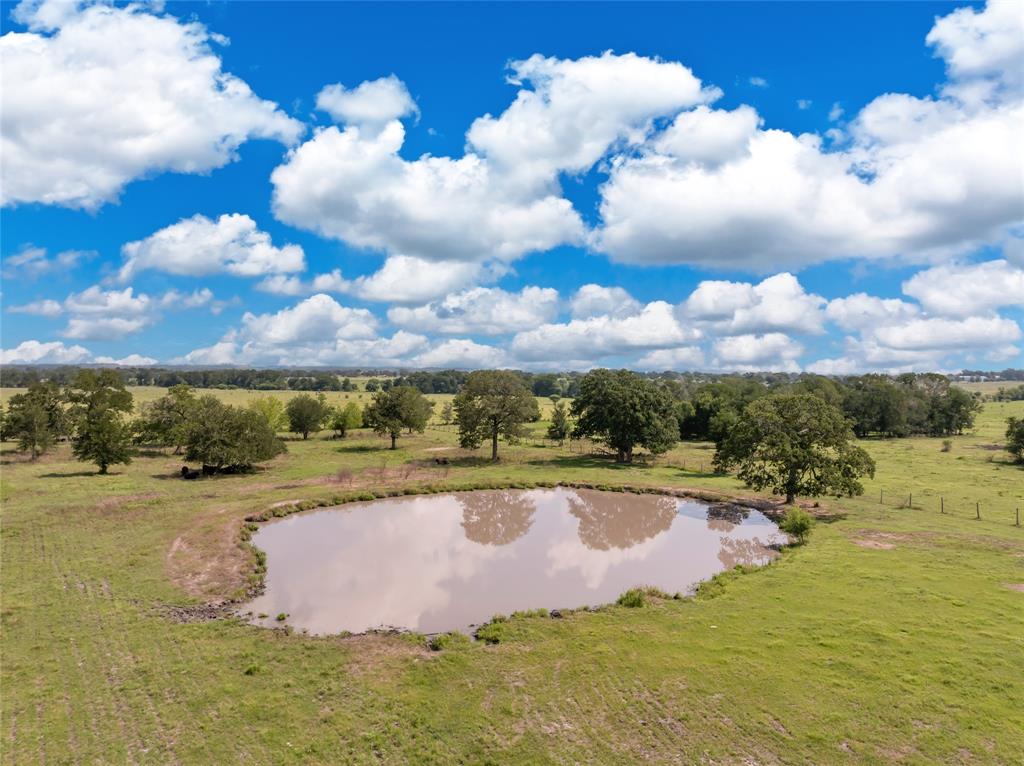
436	563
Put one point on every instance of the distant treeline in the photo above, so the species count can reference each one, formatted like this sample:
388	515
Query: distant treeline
1007	374
256	380
908	404
1012	394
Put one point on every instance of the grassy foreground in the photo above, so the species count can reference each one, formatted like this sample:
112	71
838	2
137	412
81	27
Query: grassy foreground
895	636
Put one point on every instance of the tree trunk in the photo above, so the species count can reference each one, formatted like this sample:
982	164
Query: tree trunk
394	441
624	456
103	467
790	498
305	435
494	444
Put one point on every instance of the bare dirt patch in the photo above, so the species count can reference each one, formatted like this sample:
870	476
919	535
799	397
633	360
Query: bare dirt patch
1017	586
208	563
116	501
877	545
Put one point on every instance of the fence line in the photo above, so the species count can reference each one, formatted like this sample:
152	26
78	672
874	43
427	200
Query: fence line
900	499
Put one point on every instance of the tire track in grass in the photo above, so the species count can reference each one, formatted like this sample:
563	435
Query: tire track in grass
78	667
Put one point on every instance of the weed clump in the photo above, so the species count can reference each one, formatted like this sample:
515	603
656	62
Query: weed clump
281	617
797	522
442	641
637	597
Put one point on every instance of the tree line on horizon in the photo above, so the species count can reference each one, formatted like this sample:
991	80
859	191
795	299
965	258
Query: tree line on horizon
796	439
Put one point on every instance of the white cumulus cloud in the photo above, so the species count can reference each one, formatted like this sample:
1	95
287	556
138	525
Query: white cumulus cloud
480	311
199	246
96	96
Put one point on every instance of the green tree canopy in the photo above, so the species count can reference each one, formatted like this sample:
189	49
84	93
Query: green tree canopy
224	437
625	410
101	434
396	408
493	403
344	419
162	422
1015	438
37	418
273	411
795	444
306	414
560	427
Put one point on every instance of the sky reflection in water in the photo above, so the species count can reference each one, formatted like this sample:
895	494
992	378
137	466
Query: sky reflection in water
434	563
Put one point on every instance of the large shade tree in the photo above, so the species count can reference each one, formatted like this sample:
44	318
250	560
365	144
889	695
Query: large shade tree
1015	438
37	418
493	404
395	409
222	437
101	402
795	444
162	422
625	411
307	414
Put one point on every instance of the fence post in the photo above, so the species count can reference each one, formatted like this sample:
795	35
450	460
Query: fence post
910	500
1018	517
942	505
977	510
879	496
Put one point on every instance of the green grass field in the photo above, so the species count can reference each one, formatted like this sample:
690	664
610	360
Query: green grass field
895	636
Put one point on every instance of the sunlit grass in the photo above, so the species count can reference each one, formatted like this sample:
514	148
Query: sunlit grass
892	636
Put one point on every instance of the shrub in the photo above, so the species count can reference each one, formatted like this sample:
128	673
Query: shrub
797	522
634	597
444	641
947	445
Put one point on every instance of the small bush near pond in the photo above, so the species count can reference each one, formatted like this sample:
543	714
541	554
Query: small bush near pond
797	522
635	597
453	640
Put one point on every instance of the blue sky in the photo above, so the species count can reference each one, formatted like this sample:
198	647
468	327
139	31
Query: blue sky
834	187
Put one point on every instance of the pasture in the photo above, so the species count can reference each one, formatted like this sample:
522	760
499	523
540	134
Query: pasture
895	636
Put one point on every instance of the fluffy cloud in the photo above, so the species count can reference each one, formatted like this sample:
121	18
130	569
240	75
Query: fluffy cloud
964	290
97	314
97	96
922	176
772	351
34	352
862	312
578	109
198	246
939	334
404	279
132	360
709	137
315	331
777	303
354	186
373	104
500	200
461	354
42	308
34	262
982	44
682	358
594	300
654	327
317	318
279	284
481	311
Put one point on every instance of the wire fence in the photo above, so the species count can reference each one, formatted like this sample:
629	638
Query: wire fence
921	500
924	500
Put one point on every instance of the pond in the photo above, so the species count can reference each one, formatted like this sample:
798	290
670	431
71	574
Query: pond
435	563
